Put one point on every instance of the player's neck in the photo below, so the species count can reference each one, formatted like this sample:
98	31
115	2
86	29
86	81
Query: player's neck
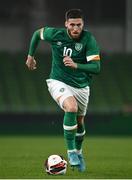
69	34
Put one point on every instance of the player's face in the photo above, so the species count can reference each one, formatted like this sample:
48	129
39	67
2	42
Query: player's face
74	27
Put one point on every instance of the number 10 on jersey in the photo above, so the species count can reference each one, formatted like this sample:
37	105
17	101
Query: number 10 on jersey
67	52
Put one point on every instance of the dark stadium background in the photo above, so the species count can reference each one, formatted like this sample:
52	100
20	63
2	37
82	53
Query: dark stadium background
25	104
31	123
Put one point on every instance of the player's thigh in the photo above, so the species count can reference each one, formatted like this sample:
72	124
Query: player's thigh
61	93
82	98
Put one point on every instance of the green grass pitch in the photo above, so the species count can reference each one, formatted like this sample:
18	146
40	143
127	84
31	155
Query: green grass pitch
24	156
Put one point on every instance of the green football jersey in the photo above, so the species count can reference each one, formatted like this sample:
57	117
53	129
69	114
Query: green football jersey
78	49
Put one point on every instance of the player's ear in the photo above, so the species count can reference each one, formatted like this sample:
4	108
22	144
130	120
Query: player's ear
65	23
82	23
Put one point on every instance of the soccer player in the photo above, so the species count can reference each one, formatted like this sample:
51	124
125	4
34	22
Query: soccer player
75	58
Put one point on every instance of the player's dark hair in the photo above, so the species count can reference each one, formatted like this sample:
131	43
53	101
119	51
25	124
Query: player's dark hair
74	13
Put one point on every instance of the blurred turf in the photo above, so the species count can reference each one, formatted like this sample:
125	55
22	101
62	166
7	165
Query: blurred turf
24	156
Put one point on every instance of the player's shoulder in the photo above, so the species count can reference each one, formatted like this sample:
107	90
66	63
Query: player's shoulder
54	29
88	36
87	33
52	33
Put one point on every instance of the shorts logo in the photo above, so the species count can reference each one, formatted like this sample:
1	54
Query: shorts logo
78	46
62	89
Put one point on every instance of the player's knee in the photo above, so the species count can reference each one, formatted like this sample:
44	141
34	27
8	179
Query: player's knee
70	105
71	108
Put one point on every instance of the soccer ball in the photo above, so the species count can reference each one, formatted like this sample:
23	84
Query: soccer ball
56	164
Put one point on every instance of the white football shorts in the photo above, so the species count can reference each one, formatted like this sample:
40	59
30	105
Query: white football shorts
60	89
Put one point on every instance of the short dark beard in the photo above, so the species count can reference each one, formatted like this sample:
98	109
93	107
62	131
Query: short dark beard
68	32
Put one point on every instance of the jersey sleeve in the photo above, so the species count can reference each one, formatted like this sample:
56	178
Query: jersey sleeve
92	49
47	33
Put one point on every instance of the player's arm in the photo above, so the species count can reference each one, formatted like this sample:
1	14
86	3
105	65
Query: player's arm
93	65
31	62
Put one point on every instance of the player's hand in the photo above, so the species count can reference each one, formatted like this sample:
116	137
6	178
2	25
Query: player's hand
69	62
31	63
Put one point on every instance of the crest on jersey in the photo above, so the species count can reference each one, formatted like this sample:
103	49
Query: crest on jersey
78	46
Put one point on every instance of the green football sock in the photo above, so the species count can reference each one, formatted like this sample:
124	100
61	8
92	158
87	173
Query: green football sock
70	126
80	136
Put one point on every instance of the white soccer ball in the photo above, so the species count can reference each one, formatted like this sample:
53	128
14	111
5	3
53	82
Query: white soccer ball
56	164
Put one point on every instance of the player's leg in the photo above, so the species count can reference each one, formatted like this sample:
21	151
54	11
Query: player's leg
65	99
80	133
79	142
82	97
70	127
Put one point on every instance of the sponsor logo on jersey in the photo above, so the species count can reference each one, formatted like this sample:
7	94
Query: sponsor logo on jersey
59	43
78	46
